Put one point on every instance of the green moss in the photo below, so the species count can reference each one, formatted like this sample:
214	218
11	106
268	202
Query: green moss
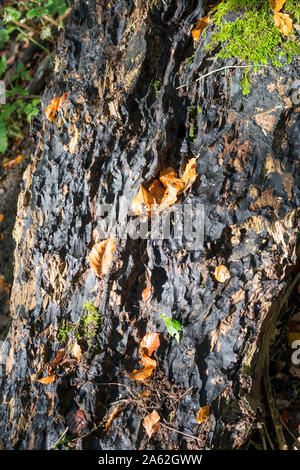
253	36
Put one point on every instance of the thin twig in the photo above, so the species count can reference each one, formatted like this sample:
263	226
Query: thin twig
183	433
121	385
225	68
288	430
191	388
61	437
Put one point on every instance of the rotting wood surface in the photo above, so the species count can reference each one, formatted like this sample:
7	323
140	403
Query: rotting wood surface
115	131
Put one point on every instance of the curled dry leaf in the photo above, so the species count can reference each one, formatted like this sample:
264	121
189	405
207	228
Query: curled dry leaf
203	413
1	217
76	351
201	25
151	423
101	256
276	5
112	417
149	344
47	380
283	22
147	291
164	191
222	273
55	106
142	202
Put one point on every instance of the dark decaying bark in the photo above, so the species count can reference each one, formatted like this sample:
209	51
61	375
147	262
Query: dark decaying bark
113	133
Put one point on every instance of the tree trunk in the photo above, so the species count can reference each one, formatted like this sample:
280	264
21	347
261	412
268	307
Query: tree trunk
135	107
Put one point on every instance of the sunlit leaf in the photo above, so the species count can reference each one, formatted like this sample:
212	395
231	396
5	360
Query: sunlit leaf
151	423
147	291
149	344
222	273
142	202
201	25
55	106
76	351
157	190
276	5
284	23
203	413
47	380
101	256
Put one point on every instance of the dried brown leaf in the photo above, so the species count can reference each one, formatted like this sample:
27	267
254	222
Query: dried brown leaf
203	413
222	273
47	380
201	25
76	351
147	291
142	202
101	256
151	423
283	22
55	106
276	5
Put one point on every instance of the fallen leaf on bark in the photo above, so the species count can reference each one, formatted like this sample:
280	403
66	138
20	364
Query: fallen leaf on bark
222	273
101	256
58	359
283	22
1	217
112	417
157	190
203	413
151	423
55	106
76	351
47	380
276	5
164	191
147	291
201	25
149	344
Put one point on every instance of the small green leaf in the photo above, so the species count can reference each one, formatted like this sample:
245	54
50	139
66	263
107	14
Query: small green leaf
173	327
4	36
3	137
11	14
2	65
56	6
37	12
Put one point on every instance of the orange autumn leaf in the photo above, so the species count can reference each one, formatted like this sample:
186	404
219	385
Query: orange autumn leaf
283	22
203	413
189	175
149	344
222	273
12	163
201	25
76	351
101	256
151	423
47	380
276	5
112	416
141	375
142	202
1	217
55	106
157	190
169	177
147	291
